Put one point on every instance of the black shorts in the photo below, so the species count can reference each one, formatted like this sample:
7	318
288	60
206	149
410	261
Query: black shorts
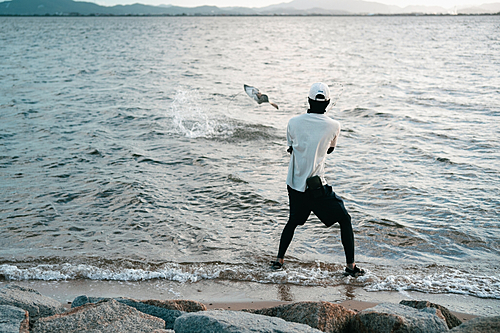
329	208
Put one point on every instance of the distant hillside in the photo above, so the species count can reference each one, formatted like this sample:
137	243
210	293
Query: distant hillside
425	9
491	8
368	7
295	7
305	11
67	7
349	6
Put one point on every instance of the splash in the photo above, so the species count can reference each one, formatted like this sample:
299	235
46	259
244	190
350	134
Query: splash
194	120
336	90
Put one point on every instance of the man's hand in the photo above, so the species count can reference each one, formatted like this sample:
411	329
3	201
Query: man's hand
290	149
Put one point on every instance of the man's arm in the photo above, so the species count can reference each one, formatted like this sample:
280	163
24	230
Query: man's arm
333	143
289	139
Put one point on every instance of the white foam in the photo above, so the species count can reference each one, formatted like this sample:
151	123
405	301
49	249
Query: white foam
172	272
450	281
453	281
194	120
41	272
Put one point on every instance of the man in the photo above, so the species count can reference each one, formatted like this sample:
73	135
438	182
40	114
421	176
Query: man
310	138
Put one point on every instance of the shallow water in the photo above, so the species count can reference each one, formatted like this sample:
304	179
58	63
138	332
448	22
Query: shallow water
129	151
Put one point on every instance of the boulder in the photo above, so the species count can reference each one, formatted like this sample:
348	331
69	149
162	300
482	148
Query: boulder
479	325
169	311
28	299
168	315
435	312
103	317
397	318
451	319
13	320
222	321
181	305
325	316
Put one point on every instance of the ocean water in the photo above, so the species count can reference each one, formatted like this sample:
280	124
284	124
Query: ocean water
129	151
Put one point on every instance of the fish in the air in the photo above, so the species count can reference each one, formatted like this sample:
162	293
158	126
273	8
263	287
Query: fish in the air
255	94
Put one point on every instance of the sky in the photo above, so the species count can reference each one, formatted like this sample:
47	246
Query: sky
263	3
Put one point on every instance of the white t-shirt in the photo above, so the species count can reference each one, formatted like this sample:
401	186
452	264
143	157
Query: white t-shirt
310	135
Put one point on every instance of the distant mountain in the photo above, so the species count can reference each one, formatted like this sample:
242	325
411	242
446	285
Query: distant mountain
349	6
295	7
30	7
288	10
69	7
425	9
490	8
367	7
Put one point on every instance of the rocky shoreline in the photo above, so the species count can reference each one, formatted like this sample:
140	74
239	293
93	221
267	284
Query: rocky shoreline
25	310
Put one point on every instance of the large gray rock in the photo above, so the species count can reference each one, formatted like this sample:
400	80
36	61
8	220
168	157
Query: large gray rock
13	320
325	316
396	318
30	300
161	309
103	317
178	304
218	321
479	325
451	319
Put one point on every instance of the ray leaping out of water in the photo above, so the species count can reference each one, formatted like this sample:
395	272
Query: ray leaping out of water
255	94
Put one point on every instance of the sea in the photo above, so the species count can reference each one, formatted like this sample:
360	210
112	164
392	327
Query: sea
129	150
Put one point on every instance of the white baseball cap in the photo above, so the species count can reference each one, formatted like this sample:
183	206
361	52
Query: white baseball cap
319	88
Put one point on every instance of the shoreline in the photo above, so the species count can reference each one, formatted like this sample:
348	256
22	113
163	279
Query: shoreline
231	295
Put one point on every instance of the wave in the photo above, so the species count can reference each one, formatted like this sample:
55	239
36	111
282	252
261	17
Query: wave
431	280
452	281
